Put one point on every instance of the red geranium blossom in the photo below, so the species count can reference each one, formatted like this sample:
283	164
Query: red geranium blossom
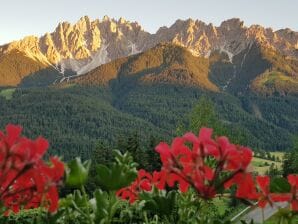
264	195
293	181
207	165
186	161
245	185
26	180
143	182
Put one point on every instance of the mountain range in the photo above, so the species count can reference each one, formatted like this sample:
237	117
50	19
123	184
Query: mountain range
73	50
101	79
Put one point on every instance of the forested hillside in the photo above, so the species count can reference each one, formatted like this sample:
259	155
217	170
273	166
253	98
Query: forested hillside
152	94
74	118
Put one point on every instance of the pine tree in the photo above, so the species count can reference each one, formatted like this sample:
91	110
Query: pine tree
102	154
204	115
290	163
153	160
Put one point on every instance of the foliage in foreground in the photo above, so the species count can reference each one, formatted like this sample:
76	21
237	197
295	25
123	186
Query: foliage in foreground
195	170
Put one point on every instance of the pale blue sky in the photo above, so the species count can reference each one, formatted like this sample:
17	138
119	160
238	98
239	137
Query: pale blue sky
19	18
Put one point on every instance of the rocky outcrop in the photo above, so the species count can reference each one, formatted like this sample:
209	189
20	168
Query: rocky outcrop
231	36
164	63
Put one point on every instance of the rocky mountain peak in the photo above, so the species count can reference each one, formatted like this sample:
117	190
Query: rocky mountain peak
88	43
106	18
232	24
83	24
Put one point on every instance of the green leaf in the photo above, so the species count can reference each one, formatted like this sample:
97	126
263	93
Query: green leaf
77	173
114	178
105	207
279	185
102	202
163	204
120	174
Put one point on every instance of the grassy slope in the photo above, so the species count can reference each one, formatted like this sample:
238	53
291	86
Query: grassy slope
261	168
260	165
7	93
280	78
165	63
16	65
275	82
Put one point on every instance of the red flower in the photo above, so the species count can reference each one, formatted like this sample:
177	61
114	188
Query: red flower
174	178
245	185
127	194
293	181
186	161
159	179
207	165
25	179
166	156
142	183
203	145
264	195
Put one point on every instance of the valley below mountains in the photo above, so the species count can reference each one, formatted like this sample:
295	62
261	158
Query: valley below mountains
105	79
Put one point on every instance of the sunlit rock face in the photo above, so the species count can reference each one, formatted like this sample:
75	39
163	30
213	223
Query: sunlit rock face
231	36
85	45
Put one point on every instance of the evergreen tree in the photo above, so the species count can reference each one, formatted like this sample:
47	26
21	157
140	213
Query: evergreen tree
204	115
290	163
273	171
132	145
102	154
153	159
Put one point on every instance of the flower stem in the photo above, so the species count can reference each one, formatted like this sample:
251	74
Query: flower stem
87	204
